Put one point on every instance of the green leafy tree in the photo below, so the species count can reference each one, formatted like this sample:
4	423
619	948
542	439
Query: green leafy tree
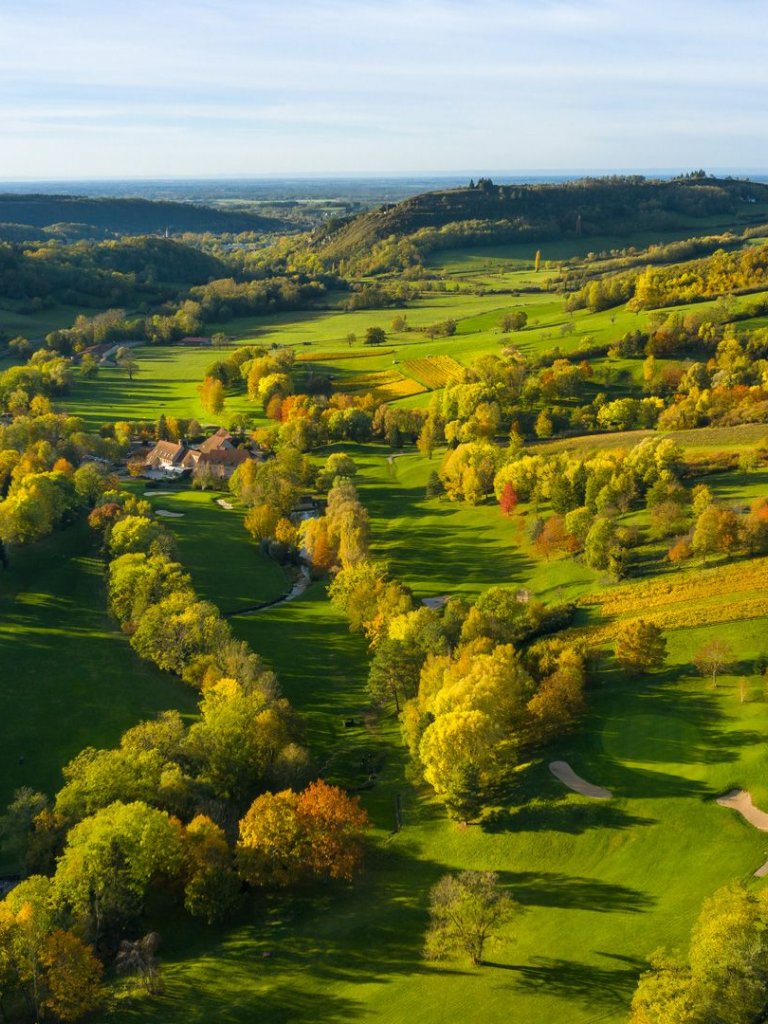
514	321
138	533
175	631
466	911
725	974
641	646
338	464
236	740
17	824
112	858
138	581
375	336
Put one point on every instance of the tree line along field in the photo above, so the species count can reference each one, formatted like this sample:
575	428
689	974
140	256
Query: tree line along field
601	884
167	378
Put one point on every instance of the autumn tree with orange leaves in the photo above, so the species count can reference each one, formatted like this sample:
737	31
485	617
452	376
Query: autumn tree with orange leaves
287	836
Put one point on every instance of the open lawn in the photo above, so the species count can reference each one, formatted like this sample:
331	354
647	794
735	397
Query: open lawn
38	324
68	679
166	382
227	567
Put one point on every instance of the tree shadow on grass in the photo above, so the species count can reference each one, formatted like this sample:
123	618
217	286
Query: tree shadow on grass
573	892
562	816
293	957
660	722
597	987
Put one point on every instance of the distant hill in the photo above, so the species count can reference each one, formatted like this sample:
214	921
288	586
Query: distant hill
116	272
489	214
127	216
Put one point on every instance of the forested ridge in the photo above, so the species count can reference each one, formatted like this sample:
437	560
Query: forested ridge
486	213
126	216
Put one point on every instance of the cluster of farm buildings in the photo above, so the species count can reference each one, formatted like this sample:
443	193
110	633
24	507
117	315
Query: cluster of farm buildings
217	457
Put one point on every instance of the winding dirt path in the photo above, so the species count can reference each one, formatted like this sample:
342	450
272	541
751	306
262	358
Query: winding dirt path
563	771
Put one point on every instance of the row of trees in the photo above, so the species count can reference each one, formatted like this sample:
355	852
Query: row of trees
198	810
470	703
59	930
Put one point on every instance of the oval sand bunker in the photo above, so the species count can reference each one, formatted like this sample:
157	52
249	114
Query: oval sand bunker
563	771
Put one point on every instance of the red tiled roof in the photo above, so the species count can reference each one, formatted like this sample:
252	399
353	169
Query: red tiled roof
218	441
172	451
224	457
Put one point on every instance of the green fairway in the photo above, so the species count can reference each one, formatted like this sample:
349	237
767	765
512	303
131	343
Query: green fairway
441	547
68	678
602	884
227	567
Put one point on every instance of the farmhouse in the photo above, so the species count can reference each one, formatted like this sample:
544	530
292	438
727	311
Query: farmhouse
216	457
166	458
220	463
220	441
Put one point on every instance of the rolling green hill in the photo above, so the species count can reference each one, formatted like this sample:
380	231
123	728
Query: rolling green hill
501	213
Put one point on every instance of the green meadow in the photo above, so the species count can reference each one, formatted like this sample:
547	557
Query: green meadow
68	679
214	547
168	377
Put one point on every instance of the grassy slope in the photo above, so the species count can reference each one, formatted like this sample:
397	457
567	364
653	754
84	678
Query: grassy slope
168	377
166	383
213	545
36	325
68	678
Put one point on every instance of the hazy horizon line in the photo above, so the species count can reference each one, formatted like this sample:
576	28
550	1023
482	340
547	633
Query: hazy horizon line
404	175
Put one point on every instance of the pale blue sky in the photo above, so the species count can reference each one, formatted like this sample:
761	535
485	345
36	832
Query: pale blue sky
146	88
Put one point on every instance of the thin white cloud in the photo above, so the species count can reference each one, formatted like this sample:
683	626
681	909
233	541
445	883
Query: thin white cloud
381	84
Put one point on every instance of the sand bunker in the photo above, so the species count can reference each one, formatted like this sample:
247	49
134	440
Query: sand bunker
563	771
739	800
169	515
435	603
157	494
223	503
